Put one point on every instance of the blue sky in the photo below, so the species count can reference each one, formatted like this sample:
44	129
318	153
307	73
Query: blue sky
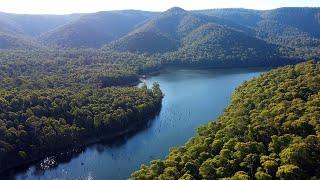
83	6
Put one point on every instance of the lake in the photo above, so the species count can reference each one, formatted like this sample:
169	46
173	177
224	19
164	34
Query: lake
193	97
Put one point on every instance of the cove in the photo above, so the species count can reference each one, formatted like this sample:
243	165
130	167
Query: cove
192	98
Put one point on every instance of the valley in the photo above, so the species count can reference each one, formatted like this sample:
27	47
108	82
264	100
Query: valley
192	97
69	94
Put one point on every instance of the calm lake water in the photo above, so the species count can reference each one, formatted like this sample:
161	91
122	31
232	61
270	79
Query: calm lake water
192	98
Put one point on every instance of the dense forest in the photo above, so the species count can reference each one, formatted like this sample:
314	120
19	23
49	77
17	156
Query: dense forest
34	123
71	68
60	78
270	130
53	100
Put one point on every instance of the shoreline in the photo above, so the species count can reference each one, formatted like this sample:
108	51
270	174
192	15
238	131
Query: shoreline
167	67
86	142
129	129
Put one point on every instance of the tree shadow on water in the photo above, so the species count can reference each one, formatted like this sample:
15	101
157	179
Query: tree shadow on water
38	168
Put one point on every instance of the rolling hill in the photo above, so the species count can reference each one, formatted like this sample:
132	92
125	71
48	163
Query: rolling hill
168	28
292	27
95	30
283	33
184	37
220	45
19	31
155	36
10	41
33	25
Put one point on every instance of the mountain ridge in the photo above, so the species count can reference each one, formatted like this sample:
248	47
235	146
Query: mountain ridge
295	30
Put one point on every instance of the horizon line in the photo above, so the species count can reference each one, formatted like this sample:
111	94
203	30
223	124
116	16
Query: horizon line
73	13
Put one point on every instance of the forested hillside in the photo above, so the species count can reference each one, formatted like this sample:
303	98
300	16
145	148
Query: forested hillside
10	41
33	25
36	69
270	130
266	38
60	78
158	35
295	28
35	123
54	100
165	32
254	37
96	29
20	31
217	45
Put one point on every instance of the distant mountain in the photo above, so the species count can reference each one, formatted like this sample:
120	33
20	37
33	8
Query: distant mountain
9	41
292	31
214	44
245	17
96	29
7	25
33	25
164	32
304	19
159	34
19	31
291	27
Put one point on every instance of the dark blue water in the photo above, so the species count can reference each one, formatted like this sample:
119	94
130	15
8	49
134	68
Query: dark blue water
192	98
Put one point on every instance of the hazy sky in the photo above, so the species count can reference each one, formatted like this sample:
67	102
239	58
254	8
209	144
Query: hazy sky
74	6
